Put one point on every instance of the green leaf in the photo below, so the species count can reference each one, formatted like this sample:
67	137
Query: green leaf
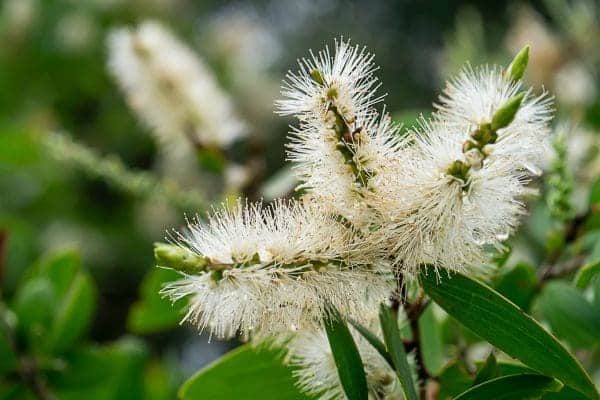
391	335
566	393
110	372
244	373
153	313
512	387
590	269
374	341
453	379
490	370
34	305
432	345
347	358
569	314
55	303
60	269
504	325
72	315
518	285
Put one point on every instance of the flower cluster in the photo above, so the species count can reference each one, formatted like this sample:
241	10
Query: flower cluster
377	206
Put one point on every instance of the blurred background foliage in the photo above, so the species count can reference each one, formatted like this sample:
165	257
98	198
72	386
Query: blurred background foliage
80	209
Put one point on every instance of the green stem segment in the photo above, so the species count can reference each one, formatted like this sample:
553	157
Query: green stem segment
347	134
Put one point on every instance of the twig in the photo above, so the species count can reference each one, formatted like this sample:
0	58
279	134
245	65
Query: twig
558	270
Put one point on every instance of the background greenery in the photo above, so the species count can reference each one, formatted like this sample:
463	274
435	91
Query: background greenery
80	313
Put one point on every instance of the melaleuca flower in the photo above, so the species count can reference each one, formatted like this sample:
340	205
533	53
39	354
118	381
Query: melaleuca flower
459	182
344	81
338	173
436	216
170	88
261	270
340	142
309	353
470	101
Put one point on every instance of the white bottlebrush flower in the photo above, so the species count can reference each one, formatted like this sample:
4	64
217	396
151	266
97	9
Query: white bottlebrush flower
170	88
273	269
338	174
435	218
344	80
474	96
341	142
309	353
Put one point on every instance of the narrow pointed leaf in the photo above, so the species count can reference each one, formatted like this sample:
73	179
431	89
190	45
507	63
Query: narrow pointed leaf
494	318
490	370
374	341
391	335
346	356
512	387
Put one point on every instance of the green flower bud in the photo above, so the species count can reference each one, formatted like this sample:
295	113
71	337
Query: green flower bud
517	67
459	170
507	112
178	258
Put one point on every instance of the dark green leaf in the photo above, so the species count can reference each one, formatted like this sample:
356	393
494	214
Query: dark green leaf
490	370
244	373
60	269
432	345
512	387
72	315
566	393
586	273
374	341
518	285
34	304
504	325
119	366
453	379
569	314
347	358
154	313
391	335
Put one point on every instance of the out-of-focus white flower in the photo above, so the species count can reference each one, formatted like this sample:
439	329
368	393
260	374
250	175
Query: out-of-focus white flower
18	16
274	269
170	88
547	48
310	354
574	85
75	31
475	95
232	36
